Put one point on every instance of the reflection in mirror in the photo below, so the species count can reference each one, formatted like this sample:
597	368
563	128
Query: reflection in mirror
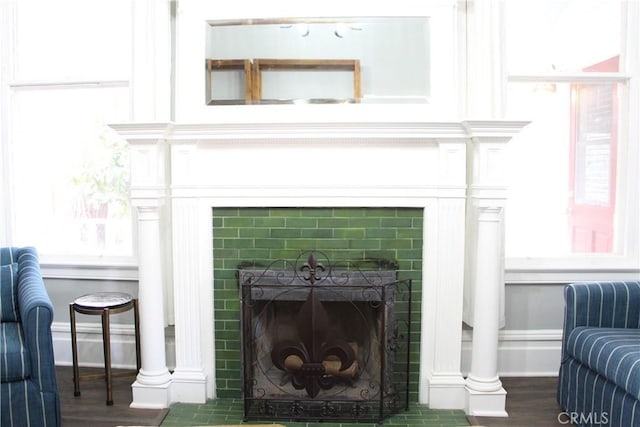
338	60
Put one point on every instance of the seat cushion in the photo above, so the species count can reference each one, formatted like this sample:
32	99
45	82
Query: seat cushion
14	357
613	353
9	293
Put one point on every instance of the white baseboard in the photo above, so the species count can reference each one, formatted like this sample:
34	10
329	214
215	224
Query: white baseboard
522	353
90	350
526	353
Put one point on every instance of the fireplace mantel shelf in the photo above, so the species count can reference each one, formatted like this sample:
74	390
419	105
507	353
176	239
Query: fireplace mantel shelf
276	132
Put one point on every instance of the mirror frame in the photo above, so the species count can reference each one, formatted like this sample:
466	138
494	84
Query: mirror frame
193	17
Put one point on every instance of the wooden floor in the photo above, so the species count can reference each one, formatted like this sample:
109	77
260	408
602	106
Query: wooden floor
530	402
90	408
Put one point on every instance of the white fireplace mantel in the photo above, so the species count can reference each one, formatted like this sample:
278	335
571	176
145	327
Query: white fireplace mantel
454	170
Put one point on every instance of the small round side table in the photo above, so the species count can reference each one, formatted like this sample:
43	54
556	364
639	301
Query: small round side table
103	304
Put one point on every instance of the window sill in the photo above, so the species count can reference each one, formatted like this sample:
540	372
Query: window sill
124	269
568	270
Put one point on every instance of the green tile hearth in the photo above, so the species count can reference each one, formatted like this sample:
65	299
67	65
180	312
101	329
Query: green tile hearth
230	412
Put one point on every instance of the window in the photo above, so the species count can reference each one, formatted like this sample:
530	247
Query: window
67	174
569	184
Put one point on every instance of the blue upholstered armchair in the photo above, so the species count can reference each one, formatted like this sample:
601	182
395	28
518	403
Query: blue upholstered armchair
599	381
28	388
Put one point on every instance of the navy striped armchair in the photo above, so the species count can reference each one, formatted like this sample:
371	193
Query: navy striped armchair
599	379
28	387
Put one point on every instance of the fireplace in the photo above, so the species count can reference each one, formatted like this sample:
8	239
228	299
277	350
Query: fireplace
324	341
451	171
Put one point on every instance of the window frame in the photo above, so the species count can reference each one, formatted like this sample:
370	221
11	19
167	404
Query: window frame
123	267
626	263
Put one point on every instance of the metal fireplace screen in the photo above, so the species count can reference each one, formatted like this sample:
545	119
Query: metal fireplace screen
323	342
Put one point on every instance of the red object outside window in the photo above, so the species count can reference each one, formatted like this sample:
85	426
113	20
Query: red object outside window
593	157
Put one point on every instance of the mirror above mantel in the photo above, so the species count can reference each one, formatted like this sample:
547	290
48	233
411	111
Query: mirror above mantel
362	60
404	75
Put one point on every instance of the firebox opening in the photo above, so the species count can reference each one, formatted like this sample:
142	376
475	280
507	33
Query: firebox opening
320	343
356	322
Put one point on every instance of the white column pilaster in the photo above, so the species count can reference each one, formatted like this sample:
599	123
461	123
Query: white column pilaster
193	321
484	269
152	386
485	395
442	385
151	96
194	374
149	191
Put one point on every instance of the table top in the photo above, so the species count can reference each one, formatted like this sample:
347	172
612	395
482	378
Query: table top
103	299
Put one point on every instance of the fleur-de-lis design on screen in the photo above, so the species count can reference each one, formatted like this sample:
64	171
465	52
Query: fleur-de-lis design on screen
306	360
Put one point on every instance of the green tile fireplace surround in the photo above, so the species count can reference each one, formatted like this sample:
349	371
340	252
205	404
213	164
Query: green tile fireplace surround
243	236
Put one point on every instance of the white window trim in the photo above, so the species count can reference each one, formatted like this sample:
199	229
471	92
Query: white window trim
59	267
601	266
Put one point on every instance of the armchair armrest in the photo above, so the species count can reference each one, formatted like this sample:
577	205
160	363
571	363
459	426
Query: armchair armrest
601	304
36	316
